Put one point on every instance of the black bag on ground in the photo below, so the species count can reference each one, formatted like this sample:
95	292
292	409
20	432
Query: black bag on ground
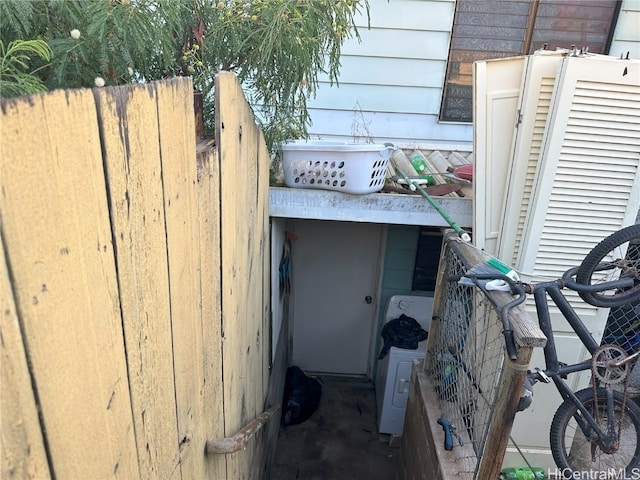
301	396
402	332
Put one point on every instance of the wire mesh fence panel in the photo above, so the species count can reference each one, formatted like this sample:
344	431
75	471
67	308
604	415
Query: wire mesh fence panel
467	357
466	363
623	329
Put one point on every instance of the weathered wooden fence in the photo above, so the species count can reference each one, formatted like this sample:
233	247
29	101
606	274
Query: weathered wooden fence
134	284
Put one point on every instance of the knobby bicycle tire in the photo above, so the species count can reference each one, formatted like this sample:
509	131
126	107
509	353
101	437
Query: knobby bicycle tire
607	254
572	451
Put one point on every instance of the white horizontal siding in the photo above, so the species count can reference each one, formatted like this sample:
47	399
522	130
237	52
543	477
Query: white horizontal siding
402	72
403	129
379	98
626	36
410	14
399	43
390	83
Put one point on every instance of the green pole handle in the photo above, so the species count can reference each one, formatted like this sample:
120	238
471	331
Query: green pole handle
461	233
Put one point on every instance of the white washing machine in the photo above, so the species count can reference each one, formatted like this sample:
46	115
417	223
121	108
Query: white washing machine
394	370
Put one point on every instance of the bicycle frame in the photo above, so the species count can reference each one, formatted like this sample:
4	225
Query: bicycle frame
596	427
554	369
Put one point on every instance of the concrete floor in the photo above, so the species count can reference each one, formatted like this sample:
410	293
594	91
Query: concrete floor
340	441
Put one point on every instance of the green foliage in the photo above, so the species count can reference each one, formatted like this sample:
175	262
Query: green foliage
16	76
115	37
277	48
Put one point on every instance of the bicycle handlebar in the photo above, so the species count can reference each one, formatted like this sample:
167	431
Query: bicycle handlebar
521	289
567	279
516	287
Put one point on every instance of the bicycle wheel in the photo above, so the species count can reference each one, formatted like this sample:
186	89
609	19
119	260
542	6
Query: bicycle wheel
572	450
616	256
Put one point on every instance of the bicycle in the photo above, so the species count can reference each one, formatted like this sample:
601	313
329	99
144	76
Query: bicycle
596	429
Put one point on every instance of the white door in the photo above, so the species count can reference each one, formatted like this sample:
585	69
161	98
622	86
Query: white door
335	284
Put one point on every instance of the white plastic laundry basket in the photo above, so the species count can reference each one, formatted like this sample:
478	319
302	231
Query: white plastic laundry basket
337	166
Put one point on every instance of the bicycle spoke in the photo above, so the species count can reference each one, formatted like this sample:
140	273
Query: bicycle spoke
615	257
584	451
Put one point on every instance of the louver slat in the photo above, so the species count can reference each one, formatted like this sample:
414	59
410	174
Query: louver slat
587	182
535	102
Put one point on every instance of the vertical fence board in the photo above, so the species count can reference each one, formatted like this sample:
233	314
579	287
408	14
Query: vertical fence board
178	153
244	194
21	442
56	227
262	239
256	181
209	222
131	144
267	379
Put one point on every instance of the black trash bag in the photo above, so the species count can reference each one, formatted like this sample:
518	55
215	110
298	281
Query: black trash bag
301	396
402	332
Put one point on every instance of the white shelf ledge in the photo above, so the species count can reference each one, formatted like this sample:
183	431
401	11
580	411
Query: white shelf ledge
389	208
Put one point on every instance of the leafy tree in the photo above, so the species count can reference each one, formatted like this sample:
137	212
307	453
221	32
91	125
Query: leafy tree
16	76
277	48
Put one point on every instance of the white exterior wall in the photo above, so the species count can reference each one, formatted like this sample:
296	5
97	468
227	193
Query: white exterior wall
390	84
626	37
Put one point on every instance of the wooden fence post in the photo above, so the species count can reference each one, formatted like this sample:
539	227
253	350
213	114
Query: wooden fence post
504	413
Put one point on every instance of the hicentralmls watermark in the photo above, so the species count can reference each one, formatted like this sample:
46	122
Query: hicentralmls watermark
609	474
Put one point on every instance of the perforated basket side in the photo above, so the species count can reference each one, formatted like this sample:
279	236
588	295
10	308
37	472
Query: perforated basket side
356	172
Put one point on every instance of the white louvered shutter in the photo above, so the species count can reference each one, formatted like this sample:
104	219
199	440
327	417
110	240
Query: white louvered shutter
587	182
497	84
570	179
537	90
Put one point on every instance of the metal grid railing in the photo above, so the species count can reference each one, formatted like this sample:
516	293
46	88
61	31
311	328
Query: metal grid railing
623	329
623	325
478	387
